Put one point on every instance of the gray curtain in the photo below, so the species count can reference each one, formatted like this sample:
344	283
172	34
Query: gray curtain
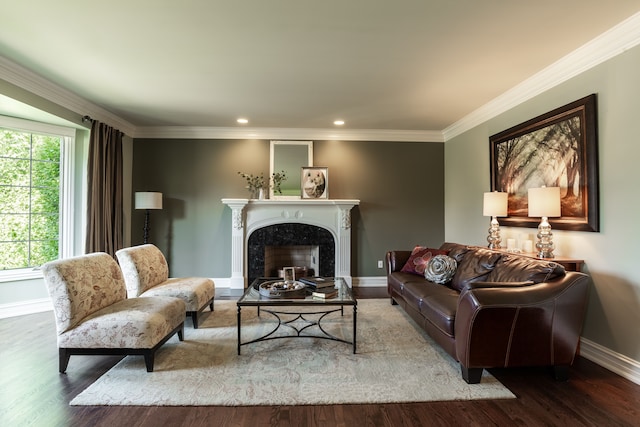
104	197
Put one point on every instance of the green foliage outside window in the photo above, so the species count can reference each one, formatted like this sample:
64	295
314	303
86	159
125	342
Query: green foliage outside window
29	199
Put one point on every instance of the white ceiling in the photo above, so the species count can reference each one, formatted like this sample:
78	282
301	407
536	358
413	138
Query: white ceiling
412	65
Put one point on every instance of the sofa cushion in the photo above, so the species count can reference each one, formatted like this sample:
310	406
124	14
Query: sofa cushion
440	309
456	250
420	255
475	265
194	291
435	302
514	268
440	269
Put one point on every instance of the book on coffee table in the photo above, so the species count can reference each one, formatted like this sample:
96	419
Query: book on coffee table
318	282
324	293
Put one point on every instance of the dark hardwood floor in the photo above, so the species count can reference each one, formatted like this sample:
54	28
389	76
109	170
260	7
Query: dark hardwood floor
34	394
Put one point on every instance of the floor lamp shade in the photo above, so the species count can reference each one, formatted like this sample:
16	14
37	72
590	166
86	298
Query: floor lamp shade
148	200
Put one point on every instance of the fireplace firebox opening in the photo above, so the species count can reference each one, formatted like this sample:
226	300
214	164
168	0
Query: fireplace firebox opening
273	247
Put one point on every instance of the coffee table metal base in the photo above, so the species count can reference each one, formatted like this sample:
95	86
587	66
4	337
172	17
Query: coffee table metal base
298	331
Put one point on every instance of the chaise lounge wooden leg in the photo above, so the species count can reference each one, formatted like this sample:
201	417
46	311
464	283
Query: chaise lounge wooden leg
211	304
149	359
194	317
181	332
63	359
393	302
471	375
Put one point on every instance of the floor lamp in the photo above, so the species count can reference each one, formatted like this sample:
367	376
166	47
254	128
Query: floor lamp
148	200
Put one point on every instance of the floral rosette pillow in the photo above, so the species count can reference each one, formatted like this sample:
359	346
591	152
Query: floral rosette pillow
440	269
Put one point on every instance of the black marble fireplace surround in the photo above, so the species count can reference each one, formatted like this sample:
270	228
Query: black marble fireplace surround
290	234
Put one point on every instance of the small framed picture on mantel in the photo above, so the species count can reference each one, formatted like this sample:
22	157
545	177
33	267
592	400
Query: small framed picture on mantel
315	182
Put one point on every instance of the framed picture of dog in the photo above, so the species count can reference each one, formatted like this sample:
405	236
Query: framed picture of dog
315	183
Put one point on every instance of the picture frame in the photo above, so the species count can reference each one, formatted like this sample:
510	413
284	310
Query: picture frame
314	182
556	149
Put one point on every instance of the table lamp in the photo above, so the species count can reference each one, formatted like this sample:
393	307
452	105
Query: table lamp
494	205
148	200
544	202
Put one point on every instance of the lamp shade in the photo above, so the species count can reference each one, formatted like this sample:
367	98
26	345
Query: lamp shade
495	204
544	201
148	200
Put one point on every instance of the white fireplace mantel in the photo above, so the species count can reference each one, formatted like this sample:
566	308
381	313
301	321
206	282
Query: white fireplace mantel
248	215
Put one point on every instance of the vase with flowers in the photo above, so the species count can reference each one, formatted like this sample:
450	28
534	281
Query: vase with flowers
277	178
258	185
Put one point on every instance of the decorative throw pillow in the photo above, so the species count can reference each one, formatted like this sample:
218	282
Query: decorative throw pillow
419	258
440	269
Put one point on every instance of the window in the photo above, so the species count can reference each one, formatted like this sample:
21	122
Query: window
33	162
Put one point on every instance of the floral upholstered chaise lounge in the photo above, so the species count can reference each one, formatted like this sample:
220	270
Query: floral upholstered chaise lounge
146	273
94	316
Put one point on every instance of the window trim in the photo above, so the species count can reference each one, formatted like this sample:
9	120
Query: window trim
67	195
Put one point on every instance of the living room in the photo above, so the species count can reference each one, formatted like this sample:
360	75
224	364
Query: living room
423	191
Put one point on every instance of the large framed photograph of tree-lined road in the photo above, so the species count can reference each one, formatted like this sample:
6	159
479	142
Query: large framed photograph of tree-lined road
556	149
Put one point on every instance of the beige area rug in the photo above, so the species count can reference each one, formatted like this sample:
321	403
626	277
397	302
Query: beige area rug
395	362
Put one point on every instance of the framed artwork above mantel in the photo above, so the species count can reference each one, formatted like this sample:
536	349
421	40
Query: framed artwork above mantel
556	149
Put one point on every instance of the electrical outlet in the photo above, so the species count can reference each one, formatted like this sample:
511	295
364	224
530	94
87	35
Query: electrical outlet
380	263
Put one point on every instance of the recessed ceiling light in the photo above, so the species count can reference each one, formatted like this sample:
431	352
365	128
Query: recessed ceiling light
243	121
338	122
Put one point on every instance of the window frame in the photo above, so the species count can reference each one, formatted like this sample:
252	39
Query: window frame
67	193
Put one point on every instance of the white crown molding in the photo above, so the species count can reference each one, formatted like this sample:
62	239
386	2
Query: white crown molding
172	132
611	43
33	83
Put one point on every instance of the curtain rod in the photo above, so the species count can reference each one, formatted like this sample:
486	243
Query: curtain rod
89	119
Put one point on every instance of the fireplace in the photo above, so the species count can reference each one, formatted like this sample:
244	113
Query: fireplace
290	245
316	227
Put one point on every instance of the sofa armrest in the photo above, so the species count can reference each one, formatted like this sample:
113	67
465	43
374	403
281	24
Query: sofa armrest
534	325
480	285
395	260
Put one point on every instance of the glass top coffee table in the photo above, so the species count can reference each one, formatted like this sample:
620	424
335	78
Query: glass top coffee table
313	307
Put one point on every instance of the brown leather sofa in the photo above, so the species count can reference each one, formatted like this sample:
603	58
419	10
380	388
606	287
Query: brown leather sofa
498	310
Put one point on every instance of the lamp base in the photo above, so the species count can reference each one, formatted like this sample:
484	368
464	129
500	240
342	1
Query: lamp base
545	245
145	236
545	255
494	238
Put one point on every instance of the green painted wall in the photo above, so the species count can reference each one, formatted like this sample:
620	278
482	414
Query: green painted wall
611	255
400	185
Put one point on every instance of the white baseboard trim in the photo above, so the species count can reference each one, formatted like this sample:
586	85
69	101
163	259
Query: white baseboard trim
25	307
609	359
222	290
370	282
